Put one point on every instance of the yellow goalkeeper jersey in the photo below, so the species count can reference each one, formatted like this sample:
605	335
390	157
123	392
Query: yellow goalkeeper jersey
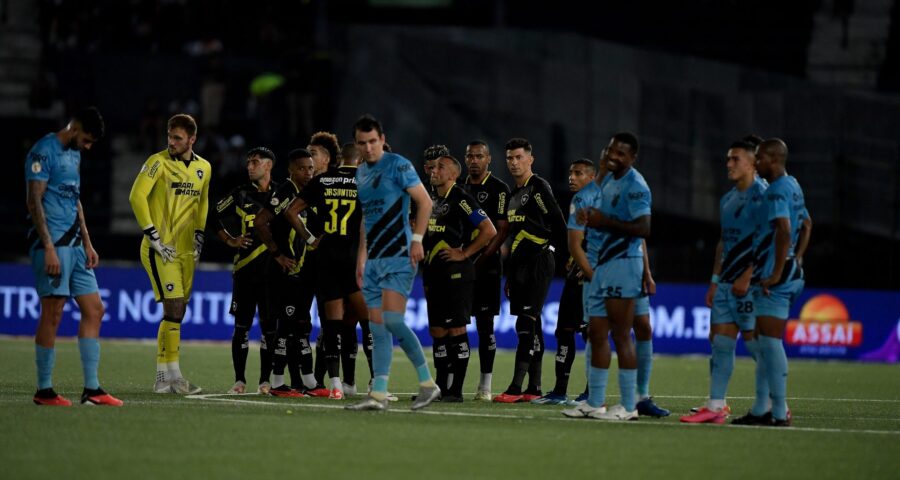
172	195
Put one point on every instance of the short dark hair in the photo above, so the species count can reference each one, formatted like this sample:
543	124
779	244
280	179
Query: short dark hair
261	152
367	123
477	142
454	160
297	154
387	147
328	141
744	144
435	152
753	139
629	139
91	122
515	143
350	152
185	121
586	162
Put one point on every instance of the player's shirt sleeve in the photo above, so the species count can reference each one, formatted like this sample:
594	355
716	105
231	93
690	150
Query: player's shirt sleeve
226	208
143	184
39	163
405	174
639	200
502	200
281	198
203	208
777	204
546	202
576	205
472	211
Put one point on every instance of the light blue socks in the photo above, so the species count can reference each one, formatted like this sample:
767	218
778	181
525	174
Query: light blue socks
45	358
628	387
90	360
761	403
721	366
772	350
644	351
409	342
382	354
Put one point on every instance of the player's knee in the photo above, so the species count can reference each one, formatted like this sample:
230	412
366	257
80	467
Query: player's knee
524	325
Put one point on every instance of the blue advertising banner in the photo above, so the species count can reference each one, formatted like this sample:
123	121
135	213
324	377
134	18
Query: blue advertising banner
824	323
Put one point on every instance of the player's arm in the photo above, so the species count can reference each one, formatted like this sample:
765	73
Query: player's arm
34	198
639	227
200	219
93	259
262	224
553	216
575	240
782	227
292	215
225	208
140	190
419	195
803	241
502	226
648	283
716	271
486	232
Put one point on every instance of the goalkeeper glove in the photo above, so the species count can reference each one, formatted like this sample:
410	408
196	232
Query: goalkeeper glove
199	238
166	252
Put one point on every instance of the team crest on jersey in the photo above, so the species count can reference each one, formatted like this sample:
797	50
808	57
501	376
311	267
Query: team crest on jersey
274	202
377	182
443	209
289	310
615	200
524	199
36	167
482	196
170	286
200	174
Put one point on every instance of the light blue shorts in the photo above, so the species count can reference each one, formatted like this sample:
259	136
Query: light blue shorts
728	308
74	278
395	274
778	303
594	294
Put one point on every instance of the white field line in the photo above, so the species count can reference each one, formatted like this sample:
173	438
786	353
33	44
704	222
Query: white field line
216	397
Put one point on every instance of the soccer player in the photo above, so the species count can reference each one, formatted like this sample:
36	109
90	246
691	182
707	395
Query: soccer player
388	255
429	162
728	293
783	228
236	212
534	219
449	274
289	279
62	256
491	193
334	195
325	151
622	214
571	309
170	201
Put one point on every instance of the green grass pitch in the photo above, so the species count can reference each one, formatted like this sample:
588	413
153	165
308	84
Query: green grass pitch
846	425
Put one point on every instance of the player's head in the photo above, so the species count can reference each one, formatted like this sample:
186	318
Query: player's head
259	163
300	166
324	149
350	154
581	172
446	170
182	132
621	152
771	157
369	138
519	158
601	165
478	158
87	127
429	158
741	160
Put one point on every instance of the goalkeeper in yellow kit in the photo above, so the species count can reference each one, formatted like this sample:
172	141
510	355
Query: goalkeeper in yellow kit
169	198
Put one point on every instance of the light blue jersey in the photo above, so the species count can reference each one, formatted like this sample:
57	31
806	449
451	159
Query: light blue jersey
584	198
385	203
49	161
625	199
737	211
783	199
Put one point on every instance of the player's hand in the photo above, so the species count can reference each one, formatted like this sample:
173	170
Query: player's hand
587	274
93	259
416	253
165	251
765	284
581	216
199	239
51	262
453	254
287	264
649	284
711	293
740	287
241	241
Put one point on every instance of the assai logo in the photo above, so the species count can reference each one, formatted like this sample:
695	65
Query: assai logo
824	322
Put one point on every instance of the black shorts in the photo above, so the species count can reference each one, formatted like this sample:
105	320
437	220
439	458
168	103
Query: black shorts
571	305
249	294
529	281
336	275
448	291
488	285
290	297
